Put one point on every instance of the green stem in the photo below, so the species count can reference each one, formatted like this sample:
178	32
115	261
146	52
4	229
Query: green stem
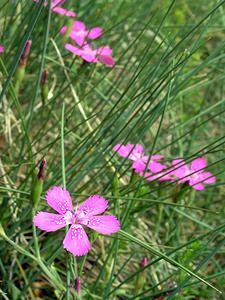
52	279
69	264
160	207
36	246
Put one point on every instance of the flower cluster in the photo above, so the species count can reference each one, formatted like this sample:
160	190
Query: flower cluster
152	167
80	36
87	214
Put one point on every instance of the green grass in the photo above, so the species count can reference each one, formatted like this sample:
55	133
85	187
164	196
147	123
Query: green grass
165	92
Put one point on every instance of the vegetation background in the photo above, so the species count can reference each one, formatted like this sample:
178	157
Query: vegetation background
165	92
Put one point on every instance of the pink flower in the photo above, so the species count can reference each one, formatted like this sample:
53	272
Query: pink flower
76	240
54	2
63	11
194	174
136	154
59	10
131	151
2	49
79	34
102	54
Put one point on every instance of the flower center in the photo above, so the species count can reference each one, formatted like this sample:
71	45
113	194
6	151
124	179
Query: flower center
68	217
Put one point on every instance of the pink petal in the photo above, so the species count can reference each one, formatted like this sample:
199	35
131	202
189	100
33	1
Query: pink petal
59	199
64	12
73	49
88	54
138	166
156	157
2	49
131	151
104	224
76	241
57	2
166	177
198	186
105	50
121	149
94	205
107	60
49	222
79	39
136	151
160	176
181	170
208	177
89	57
78	26
95	33
149	176
145	158
198	164
63	29
156	167
54	3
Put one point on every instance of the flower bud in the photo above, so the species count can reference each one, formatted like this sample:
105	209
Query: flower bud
38	185
144	262
77	285
26	51
20	72
141	278
41	170
44	86
115	185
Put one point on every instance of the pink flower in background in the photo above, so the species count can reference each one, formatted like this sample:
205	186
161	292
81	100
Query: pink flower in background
2	49
54	2
76	240
64	12
130	151
59	10
102	54
79	34
136	153
193	174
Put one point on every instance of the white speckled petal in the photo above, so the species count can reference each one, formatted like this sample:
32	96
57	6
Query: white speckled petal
94	205
49	222
76	241
104	224
59	199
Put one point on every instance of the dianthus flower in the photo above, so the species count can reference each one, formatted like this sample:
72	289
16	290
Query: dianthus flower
136	154
2	49
79	33
88	54
193	174
76	240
